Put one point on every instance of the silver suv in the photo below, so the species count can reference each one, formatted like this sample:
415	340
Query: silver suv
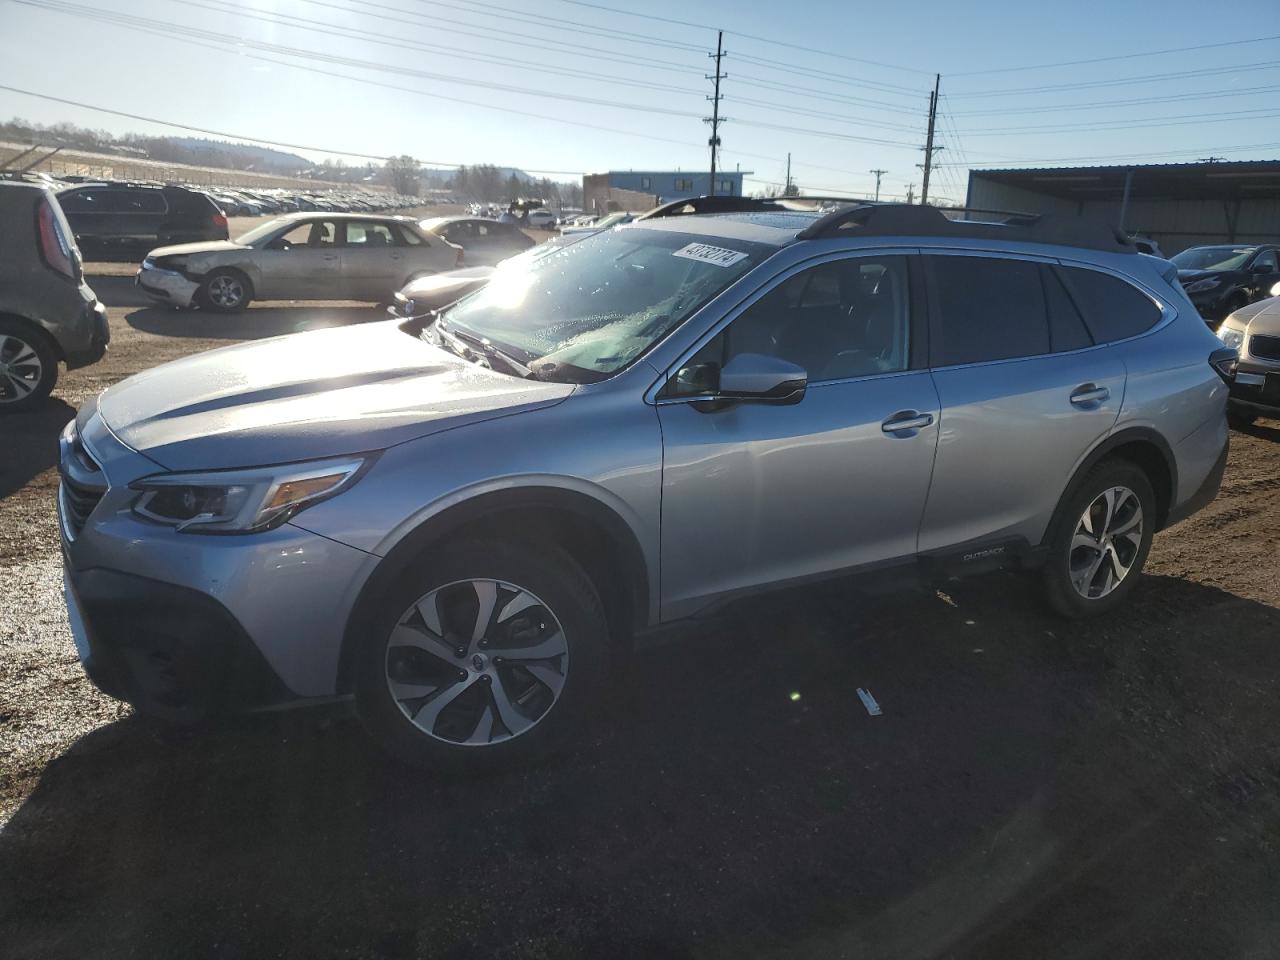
460	519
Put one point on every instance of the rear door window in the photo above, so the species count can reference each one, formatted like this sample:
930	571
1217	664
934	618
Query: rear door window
1066	327
364	235
985	308
134	201
1112	308
79	201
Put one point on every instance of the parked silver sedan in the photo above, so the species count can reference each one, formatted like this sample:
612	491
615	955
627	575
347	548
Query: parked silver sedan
303	256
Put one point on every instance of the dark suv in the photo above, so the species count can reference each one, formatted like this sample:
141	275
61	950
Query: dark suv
48	314
1222	279
128	219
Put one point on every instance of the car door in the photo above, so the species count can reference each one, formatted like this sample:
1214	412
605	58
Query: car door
1025	394
371	260
301	263
755	493
1263	273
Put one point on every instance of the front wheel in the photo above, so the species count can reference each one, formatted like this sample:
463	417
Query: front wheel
483	655
225	291
1100	540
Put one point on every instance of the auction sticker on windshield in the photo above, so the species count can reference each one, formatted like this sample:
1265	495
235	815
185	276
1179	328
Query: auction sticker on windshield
720	256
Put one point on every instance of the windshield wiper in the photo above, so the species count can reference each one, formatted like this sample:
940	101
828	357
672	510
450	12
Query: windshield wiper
467	341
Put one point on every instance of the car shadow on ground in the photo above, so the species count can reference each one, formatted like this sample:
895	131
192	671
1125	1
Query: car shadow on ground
30	444
1263	430
1033	789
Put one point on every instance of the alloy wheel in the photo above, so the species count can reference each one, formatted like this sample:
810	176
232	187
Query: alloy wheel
226	291
20	369
476	662
1106	542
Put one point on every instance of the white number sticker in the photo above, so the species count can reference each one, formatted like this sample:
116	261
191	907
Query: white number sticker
709	254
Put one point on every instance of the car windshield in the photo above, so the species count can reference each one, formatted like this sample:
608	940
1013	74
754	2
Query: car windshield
591	308
609	221
1213	258
262	230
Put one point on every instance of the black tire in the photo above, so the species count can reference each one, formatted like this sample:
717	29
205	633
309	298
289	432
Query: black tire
28	366
225	291
1240	421
1061	593
547	573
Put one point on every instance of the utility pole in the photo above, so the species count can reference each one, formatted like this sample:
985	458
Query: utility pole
879	174
786	191
714	119
928	144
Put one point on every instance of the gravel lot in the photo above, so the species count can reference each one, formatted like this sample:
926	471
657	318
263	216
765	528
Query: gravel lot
1034	788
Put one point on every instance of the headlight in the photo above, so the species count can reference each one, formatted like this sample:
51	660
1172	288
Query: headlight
1231	337
1208	283
242	501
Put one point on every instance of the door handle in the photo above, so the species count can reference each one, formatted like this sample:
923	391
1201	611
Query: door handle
331	256
906	422
1089	395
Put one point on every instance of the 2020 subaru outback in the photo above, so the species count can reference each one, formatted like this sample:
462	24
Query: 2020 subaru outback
459	519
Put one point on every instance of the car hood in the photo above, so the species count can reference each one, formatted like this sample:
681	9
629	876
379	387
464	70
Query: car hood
186	249
450	279
308	395
1262	317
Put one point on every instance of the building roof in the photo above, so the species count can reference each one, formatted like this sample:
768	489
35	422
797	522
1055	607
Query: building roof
675	173
1220	180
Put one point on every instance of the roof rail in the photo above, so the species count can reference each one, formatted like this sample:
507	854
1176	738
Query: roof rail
727	204
900	219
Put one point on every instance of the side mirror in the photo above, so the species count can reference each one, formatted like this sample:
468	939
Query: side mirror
762	379
1264	268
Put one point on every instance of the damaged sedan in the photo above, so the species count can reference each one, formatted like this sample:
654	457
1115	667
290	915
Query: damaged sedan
329	256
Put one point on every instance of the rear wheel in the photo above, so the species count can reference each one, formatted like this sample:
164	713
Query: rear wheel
482	655
1239	421
1100	541
225	291
28	367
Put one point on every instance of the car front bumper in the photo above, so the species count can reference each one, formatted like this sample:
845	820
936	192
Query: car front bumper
99	336
166	286
1256	390
188	625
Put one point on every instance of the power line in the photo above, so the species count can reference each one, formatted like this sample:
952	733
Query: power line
240	137
572	26
492	35
808	49
1108	104
174	29
1136	123
1121	56
337	30
1146	78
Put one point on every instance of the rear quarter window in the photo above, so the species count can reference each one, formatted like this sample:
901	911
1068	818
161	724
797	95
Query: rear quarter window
1113	309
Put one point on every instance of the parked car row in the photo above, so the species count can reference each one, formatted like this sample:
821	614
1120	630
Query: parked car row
1222	278
127	218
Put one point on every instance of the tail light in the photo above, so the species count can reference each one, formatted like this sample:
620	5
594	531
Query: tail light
220	219
56	248
1224	363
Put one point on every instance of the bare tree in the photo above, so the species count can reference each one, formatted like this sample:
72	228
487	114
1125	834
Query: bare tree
403	171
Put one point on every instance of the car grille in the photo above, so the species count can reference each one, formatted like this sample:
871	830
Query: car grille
82	487
1268	348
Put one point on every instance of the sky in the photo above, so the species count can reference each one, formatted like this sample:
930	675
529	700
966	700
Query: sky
566	87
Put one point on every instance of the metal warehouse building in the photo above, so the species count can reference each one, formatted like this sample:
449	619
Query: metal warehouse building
1180	205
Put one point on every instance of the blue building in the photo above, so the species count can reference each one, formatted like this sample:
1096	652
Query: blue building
598	189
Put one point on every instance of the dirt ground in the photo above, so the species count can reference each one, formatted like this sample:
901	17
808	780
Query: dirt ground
1033	789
